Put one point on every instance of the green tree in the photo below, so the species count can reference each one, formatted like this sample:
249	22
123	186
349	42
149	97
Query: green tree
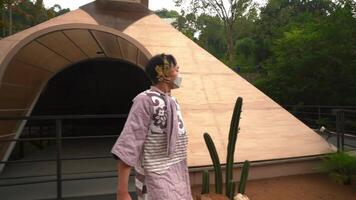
17	15
164	13
246	41
206	30
2	20
314	62
211	35
279	15
228	12
187	24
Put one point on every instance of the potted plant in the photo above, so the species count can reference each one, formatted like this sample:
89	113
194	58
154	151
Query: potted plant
340	166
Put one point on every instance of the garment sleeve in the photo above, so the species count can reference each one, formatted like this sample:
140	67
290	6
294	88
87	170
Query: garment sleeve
128	146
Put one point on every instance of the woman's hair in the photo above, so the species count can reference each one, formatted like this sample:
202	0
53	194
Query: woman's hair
158	60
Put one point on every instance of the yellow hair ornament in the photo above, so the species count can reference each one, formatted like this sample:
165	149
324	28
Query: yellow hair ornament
163	70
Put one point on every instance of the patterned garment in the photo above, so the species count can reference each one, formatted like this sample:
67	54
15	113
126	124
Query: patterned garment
154	141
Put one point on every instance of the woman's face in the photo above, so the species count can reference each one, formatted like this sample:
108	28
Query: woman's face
174	72
170	76
176	79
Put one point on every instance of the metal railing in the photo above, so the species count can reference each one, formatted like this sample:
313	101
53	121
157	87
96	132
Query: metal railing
58	138
340	121
340	128
337	116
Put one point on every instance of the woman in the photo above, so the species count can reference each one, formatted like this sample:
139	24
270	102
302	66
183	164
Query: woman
154	140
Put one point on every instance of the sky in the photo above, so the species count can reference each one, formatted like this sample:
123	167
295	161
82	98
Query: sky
153	4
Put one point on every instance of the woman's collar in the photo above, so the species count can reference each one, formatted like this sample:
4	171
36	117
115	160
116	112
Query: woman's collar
154	88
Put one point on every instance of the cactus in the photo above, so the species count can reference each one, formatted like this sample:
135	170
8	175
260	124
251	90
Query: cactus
234	128
232	187
216	162
244	176
206	182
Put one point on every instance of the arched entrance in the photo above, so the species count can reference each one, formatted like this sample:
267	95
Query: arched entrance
39	57
93	87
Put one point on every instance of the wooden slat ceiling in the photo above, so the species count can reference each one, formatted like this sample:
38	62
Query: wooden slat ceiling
109	43
39	55
26	75
63	45
129	51
85	41
14	97
9	126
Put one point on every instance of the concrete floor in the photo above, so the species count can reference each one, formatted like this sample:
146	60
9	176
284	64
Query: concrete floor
71	169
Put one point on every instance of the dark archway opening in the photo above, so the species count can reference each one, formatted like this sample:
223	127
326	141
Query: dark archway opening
92	87
99	86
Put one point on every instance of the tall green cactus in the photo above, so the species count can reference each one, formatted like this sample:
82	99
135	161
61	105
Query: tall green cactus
230	185
244	176
232	188
206	182
216	162
234	128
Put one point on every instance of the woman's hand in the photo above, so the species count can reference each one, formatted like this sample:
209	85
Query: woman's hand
123	195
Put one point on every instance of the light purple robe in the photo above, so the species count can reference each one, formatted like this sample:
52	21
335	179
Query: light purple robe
173	184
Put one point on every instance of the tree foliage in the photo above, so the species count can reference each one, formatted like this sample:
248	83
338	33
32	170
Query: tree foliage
17	15
228	12
164	13
312	57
